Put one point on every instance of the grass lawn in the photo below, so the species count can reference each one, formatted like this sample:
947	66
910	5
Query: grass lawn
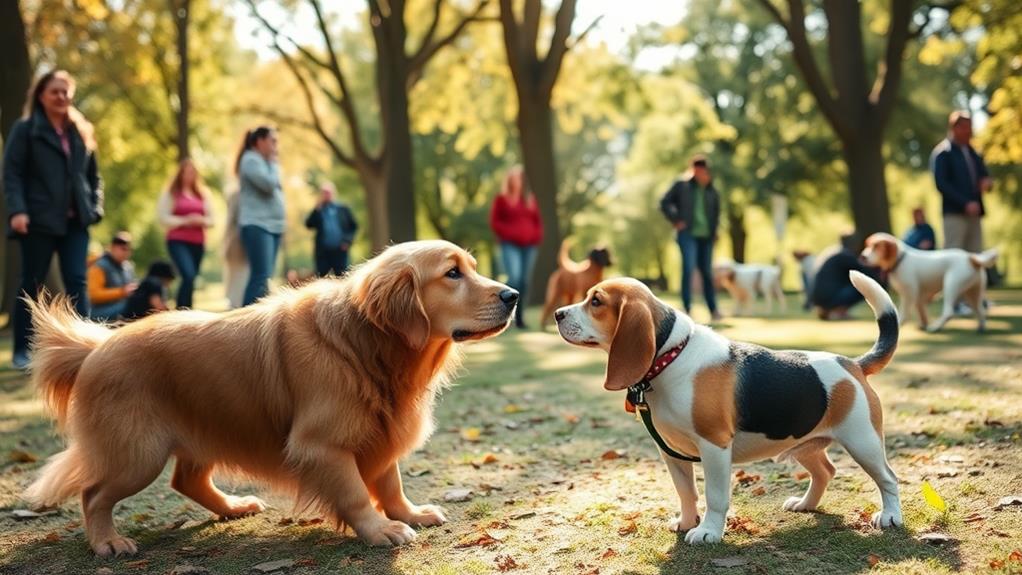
565	482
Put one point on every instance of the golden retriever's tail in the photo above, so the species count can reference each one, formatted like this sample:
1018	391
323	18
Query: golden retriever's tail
61	342
64	475
882	351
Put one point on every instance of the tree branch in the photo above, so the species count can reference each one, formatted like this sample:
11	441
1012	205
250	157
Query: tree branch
429	49
532	13
551	64
278	34
581	37
510	27
885	88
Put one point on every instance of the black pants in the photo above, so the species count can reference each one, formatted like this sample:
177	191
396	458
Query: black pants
37	251
331	261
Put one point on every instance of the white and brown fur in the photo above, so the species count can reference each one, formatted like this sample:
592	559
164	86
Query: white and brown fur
919	275
318	391
730	402
745	282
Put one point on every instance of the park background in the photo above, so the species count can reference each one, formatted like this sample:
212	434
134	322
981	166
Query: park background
608	119
418	139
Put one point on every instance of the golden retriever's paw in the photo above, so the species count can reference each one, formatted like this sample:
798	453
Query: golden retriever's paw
682	524
797	504
702	535
426	516
389	533
243	506
115	546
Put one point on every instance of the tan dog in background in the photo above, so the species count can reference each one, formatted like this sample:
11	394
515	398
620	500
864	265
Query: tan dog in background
319	391
571	280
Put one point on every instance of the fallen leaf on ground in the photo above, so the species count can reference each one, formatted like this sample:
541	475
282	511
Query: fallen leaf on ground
746	479
139	564
505	563
935	538
512	408
729	561
482	540
417	471
628	529
872	559
1008	501
974	518
52	537
458	495
932	498
285	522
609	553
307	562
271	566
306	522
471	434
21	456
801	475
571	418
759	491
25	514
140	517
612	454
946	472
742	525
486	460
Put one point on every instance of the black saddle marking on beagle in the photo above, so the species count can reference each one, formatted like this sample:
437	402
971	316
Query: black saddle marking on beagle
777	393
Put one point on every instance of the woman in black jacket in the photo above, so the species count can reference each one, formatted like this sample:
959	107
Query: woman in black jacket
54	194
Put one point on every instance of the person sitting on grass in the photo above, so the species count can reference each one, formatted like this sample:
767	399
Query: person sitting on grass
152	292
833	292
111	279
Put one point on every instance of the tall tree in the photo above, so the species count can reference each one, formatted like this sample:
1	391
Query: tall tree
857	109
385	173
15	77
180	11
534	77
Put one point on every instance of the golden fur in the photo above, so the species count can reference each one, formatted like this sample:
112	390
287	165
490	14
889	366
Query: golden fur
571	280
318	391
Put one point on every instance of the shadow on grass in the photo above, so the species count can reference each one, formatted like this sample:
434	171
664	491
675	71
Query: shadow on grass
230	549
828	545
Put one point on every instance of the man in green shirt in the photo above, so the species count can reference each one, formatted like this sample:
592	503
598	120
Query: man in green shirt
692	205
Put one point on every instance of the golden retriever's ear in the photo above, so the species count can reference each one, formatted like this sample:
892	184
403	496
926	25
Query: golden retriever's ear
390	300
633	346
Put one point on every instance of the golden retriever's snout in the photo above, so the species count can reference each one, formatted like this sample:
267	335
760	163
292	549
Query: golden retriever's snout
510	298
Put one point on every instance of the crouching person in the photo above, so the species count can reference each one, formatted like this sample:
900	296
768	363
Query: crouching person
111	279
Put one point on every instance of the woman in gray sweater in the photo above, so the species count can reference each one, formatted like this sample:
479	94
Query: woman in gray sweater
261	208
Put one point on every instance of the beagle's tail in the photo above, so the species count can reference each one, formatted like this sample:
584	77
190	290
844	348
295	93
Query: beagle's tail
882	351
984	260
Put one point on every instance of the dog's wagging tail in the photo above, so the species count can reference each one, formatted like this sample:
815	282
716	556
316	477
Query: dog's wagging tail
882	351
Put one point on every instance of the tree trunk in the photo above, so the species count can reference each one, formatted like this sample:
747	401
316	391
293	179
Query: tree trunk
182	15
867	186
15	77
375	187
535	128
736	229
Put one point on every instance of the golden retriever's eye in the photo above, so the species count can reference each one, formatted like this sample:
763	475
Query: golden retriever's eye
595	302
453	273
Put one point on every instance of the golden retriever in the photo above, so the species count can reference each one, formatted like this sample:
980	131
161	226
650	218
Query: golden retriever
318	391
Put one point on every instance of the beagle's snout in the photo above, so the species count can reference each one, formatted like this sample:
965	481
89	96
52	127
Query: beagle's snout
560	314
509	297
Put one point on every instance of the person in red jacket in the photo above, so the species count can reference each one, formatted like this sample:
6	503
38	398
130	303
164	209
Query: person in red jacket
516	222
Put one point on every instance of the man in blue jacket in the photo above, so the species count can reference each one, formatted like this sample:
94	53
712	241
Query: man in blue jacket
335	230
961	178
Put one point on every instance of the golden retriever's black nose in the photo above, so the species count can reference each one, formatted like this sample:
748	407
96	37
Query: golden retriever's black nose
559	314
509	297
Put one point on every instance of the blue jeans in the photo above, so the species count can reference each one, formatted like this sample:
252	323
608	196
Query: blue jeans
696	252
187	259
37	251
518	262
261	249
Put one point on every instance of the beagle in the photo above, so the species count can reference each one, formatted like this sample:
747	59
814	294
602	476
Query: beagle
729	402
746	281
919	275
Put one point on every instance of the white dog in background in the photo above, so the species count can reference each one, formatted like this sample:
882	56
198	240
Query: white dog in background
919	275
745	282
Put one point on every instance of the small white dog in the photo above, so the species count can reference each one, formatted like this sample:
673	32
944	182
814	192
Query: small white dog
746	281
919	275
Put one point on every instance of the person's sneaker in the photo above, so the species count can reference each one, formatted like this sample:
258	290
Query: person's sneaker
20	360
716	316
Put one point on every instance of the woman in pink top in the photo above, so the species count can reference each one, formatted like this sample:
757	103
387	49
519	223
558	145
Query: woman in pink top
184	209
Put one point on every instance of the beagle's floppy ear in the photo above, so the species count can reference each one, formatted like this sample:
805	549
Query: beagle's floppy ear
389	298
633	346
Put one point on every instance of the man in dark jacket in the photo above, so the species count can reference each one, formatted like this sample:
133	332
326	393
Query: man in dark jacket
692	205
335	230
833	293
54	193
961	178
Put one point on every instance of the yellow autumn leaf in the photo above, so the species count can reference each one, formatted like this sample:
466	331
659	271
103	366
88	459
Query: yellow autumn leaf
471	433
512	408
933	499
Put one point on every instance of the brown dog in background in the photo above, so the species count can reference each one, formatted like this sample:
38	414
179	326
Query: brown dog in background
571	280
318	391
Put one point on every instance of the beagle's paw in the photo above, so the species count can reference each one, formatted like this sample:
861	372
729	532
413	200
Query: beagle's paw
886	519
701	535
797	504
682	524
